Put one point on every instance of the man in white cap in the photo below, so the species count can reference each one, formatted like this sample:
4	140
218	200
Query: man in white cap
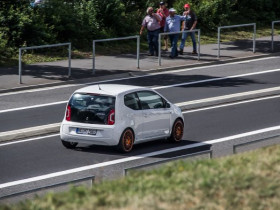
172	24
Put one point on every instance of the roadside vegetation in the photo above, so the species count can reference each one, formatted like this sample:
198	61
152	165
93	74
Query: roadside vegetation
81	21
246	181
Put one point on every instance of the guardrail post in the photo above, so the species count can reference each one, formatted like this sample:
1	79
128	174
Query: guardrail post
69	60
272	35
93	57
40	47
236	26
138	51
219	34
254	38
159	49
19	66
199	44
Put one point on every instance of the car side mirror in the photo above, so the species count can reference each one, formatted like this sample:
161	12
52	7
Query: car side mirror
167	105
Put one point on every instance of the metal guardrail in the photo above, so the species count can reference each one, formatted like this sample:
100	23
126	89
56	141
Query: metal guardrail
179	32
43	46
237	26
157	163
272	33
115	39
35	189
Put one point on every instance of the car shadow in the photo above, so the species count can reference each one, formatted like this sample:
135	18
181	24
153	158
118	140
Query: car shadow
163	146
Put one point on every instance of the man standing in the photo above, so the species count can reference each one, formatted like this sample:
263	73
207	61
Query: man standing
172	24
164	13
152	23
188	24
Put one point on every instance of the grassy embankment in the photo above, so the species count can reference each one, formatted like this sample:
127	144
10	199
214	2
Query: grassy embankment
245	181
128	47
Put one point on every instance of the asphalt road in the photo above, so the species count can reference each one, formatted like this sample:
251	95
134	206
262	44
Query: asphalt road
34	158
47	155
209	82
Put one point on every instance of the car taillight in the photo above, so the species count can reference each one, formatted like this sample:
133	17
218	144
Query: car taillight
111	117
68	113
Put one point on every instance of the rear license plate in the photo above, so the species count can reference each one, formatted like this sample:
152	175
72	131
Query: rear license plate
86	131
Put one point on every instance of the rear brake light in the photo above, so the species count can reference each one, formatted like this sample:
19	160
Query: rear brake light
68	113
111	117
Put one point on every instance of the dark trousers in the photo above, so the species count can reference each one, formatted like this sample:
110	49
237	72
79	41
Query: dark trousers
174	40
153	41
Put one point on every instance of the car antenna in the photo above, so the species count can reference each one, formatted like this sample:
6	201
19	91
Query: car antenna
99	87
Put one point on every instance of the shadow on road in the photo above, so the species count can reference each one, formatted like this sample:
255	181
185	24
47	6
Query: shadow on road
148	147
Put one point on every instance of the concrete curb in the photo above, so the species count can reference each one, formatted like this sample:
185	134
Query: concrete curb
190	105
238	97
29	132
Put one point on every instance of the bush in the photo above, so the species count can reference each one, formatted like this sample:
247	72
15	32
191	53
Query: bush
210	13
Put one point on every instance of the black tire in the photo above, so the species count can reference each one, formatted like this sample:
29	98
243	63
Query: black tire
126	141
69	145
177	131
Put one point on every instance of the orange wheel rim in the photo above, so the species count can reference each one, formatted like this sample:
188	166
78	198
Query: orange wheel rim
128	140
178	131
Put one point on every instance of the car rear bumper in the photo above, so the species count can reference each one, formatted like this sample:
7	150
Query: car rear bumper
105	135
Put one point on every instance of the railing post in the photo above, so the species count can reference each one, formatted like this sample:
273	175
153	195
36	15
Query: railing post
93	57
219	30
272	36
254	38
159	49
138	51
199	44
19	66
69	60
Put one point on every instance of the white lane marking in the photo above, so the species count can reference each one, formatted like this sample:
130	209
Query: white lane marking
155	88
27	140
231	104
123	160
217	79
230	96
31	107
133	77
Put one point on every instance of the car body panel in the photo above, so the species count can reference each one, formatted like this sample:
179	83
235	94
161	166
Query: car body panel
149	124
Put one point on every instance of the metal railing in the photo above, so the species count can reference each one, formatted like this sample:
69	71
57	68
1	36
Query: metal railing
272	33
43	46
115	39
237	26
179	32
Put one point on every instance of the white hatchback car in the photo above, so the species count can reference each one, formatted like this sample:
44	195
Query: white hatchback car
119	115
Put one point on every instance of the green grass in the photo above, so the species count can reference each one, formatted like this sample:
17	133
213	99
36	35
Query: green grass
247	181
113	48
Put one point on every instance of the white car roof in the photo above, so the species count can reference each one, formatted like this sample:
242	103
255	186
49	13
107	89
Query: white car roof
109	89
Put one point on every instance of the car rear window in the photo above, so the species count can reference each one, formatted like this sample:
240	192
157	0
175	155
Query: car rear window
91	108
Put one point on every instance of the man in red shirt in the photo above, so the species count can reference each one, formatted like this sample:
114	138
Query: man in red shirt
164	13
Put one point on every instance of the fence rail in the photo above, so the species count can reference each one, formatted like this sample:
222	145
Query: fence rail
179	32
272	33
40	47
237	26
115	39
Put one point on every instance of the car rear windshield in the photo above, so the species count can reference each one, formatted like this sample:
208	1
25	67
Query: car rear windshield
91	108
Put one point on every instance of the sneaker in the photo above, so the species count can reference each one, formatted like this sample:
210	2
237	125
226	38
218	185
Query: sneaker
150	54
170	56
181	51
194	52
